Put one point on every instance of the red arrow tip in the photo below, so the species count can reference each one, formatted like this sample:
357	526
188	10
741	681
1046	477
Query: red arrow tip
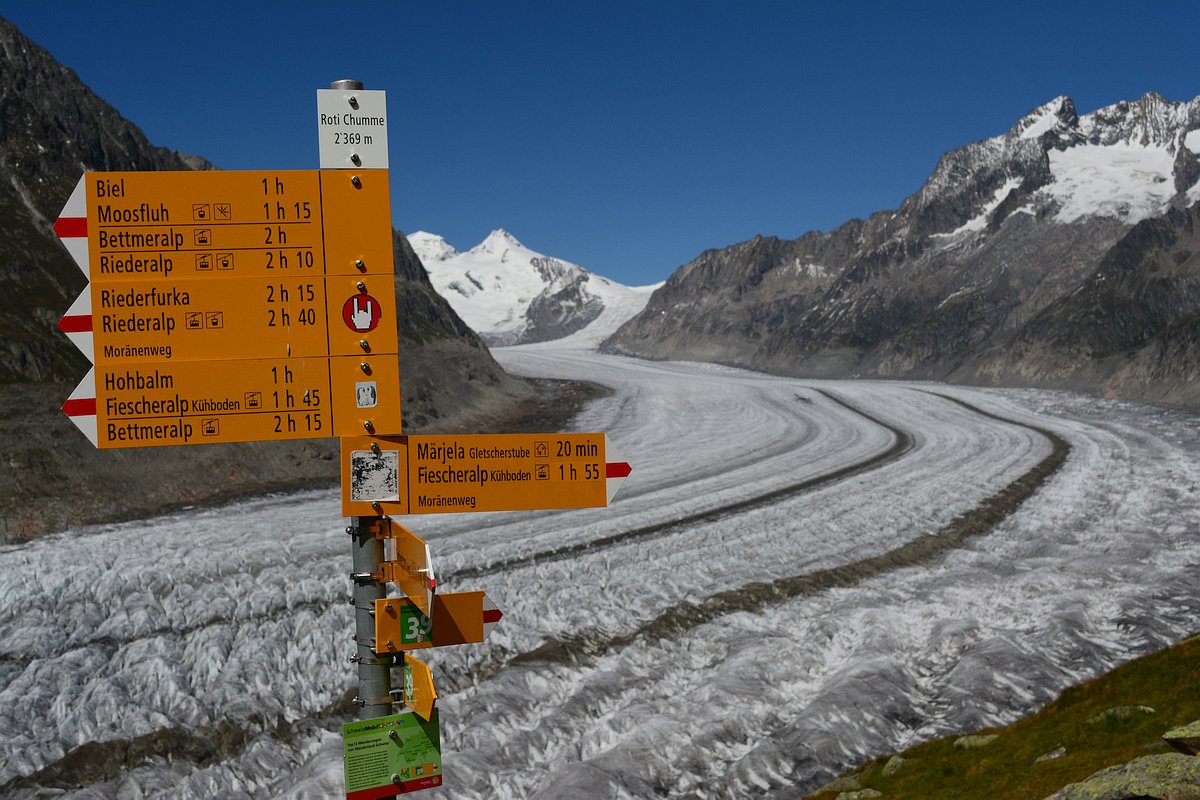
617	469
80	407
76	323
70	227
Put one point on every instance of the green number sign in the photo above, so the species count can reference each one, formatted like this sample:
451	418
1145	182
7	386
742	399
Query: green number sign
414	626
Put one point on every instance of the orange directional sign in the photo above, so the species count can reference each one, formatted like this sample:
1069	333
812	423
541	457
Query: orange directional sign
263	223
419	694
195	319
478	472
458	618
206	402
411	569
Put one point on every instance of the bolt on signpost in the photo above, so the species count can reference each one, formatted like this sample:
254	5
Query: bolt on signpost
260	306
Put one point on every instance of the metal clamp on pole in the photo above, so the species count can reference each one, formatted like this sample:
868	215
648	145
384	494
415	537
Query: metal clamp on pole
388	571
382	527
374	660
398	571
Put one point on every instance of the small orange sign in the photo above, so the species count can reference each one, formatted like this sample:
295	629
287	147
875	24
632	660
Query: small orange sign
419	693
410	567
458	618
476	472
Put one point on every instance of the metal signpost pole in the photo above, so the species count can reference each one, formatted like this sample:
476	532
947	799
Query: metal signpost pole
374	671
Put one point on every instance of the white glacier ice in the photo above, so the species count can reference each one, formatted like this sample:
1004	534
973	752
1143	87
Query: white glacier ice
633	668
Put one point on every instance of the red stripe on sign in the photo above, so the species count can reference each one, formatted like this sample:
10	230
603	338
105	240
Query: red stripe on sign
617	469
77	323
70	227
391	789
80	407
492	615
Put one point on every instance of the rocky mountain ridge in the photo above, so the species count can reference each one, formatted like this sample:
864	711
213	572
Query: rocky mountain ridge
52	128
985	275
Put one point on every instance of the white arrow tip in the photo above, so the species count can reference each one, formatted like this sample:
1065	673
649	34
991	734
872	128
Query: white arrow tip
80	407
616	469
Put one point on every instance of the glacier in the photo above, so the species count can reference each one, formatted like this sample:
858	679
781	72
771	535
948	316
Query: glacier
733	625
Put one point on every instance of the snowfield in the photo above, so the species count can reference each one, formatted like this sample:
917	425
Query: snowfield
745	619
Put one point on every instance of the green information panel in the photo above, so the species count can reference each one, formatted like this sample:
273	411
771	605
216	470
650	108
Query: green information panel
391	755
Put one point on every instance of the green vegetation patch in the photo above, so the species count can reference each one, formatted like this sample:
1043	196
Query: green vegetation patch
1108	721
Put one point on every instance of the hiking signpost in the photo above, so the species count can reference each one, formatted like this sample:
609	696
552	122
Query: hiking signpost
232	306
260	306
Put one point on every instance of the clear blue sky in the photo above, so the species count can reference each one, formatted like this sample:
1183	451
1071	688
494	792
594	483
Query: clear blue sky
625	136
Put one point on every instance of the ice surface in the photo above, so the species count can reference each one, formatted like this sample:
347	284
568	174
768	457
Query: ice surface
1127	181
624	669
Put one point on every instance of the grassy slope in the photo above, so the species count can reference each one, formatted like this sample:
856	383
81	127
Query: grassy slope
1007	769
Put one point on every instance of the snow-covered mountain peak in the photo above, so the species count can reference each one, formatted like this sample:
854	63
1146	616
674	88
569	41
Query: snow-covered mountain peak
1126	167
510	294
1151	121
430	247
1058	114
497	242
1125	161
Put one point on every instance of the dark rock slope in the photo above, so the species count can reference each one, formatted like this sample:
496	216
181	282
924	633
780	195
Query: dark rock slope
52	128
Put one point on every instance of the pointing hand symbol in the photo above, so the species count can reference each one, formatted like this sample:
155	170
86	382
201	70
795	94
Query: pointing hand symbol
361	316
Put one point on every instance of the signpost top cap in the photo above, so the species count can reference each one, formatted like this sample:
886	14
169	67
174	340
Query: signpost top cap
346	84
